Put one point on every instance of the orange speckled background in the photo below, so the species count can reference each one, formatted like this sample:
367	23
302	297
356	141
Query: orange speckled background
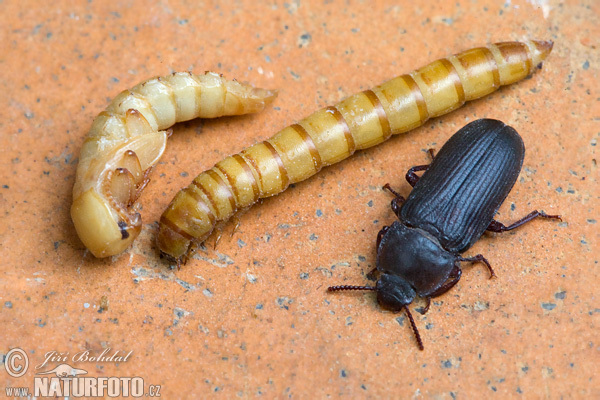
252	317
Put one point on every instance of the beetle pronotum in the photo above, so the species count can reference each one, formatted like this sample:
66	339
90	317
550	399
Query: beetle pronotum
334	133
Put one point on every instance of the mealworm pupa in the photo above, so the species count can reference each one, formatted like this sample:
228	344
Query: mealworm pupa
127	140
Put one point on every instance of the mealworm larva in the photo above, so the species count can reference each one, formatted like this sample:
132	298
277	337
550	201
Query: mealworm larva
334	133
127	140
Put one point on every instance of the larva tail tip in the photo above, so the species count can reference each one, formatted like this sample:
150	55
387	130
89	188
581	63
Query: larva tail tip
539	50
265	94
171	240
543	47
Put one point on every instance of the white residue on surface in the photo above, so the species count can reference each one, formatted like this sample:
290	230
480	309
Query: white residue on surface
543	4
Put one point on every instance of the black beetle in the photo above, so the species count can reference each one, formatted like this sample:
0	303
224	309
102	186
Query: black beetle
448	210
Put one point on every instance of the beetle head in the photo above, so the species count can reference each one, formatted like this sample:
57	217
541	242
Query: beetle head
394	294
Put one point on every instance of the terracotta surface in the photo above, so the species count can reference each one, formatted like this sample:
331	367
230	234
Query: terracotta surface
252	317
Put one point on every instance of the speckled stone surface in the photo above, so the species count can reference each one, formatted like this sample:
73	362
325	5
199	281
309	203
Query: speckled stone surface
252	317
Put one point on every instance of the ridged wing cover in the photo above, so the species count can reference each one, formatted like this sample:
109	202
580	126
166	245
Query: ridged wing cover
456	198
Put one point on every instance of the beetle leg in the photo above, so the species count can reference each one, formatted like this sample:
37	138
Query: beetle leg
396	204
392	191
431	153
426	308
396	201
496	226
454	277
413	178
371	275
382	232
482	259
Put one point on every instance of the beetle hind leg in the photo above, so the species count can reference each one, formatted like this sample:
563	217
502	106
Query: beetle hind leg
498	227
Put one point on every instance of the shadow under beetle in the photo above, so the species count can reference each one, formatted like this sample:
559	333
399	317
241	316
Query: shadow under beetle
448	210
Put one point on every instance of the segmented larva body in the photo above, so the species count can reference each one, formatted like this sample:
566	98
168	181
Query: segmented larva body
334	133
127	139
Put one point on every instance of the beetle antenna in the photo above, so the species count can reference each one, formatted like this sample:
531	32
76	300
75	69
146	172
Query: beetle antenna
414	328
349	287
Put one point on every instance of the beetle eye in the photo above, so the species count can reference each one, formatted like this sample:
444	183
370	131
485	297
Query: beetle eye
394	293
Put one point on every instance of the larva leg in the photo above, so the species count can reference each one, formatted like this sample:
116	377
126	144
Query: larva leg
334	133
237	219
217	233
127	139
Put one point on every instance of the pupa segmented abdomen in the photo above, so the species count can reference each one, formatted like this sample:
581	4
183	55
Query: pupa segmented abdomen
127	139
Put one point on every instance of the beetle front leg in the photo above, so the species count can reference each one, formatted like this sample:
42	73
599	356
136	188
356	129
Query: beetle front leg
371	275
454	277
382	232
426	308
482	259
496	226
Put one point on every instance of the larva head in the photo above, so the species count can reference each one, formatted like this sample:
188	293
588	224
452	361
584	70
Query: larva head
394	294
171	241
101	229
187	221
